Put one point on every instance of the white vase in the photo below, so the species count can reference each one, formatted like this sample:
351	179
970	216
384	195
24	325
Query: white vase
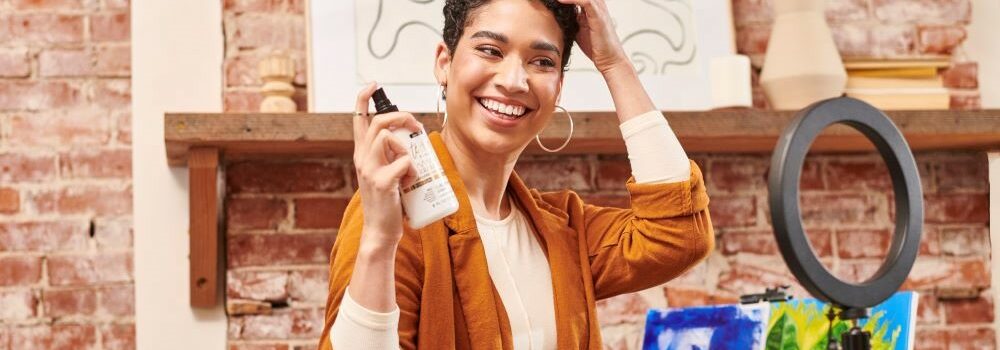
802	64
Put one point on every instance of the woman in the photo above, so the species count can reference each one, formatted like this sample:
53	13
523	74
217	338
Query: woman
513	268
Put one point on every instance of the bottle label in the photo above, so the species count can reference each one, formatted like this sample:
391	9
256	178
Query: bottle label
429	189
424	161
422	181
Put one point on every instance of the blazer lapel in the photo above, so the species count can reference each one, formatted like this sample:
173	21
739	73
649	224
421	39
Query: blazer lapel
558	240
468	260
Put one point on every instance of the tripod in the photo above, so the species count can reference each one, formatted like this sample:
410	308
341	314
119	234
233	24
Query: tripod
855	338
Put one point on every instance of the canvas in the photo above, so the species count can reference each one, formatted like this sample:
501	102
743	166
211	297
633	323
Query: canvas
657	36
803	323
706	328
797	324
670	42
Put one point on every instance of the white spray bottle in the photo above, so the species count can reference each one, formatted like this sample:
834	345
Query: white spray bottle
428	197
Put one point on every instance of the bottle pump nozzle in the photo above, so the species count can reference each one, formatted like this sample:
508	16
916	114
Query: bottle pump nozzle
382	103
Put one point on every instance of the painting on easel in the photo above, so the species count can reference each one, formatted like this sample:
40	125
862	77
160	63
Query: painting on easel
707	327
796	324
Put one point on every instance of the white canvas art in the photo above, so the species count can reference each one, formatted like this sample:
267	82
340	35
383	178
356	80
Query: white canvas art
396	38
657	35
670	42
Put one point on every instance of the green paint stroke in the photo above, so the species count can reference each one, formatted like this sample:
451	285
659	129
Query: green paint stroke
794	326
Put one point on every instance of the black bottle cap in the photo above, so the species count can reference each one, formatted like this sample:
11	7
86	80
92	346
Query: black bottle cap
382	104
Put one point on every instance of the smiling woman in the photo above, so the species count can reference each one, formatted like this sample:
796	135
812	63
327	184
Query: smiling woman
514	267
503	64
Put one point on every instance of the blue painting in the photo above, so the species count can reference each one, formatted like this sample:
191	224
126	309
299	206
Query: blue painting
706	328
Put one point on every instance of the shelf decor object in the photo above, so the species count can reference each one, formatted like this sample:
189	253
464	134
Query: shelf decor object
277	71
802	64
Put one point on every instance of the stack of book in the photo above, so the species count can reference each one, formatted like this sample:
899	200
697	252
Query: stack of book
898	84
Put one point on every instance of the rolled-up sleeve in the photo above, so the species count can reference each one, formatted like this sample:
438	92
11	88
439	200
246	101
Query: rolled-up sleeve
666	231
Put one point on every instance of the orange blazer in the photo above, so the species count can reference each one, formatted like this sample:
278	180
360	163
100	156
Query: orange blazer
443	287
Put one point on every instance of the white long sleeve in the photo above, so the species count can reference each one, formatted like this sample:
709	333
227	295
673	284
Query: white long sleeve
653	150
357	327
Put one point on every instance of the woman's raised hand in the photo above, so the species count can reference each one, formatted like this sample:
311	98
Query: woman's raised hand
597	37
382	162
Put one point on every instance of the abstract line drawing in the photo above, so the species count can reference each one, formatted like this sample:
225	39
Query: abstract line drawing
398	29
655	34
396	38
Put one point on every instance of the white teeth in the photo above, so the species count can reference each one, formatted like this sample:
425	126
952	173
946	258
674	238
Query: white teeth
502	108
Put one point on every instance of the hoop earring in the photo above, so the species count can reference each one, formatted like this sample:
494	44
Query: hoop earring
441	97
539	140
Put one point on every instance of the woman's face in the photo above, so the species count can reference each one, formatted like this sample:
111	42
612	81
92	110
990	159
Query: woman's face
505	75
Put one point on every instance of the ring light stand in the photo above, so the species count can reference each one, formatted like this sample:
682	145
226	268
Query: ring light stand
853	299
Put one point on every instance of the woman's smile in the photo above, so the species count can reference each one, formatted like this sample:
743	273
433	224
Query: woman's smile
502	79
502	113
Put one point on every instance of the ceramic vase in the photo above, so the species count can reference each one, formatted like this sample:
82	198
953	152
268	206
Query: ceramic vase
802	64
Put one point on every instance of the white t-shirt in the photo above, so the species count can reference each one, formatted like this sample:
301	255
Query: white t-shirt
522	277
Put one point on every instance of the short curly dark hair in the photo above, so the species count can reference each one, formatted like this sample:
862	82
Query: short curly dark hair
457	12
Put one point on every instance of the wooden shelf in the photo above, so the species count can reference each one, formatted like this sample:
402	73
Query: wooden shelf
251	135
203	141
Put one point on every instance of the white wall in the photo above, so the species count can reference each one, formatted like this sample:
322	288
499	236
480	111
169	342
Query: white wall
176	66
983	46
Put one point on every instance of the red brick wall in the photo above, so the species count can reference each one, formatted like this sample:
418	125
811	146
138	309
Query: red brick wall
847	208
282	217
65	175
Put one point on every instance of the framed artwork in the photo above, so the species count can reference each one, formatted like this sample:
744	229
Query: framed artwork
670	42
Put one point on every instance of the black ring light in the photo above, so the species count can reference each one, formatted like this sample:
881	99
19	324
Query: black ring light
783	188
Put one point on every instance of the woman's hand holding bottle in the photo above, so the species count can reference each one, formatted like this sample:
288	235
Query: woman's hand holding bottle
382	162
